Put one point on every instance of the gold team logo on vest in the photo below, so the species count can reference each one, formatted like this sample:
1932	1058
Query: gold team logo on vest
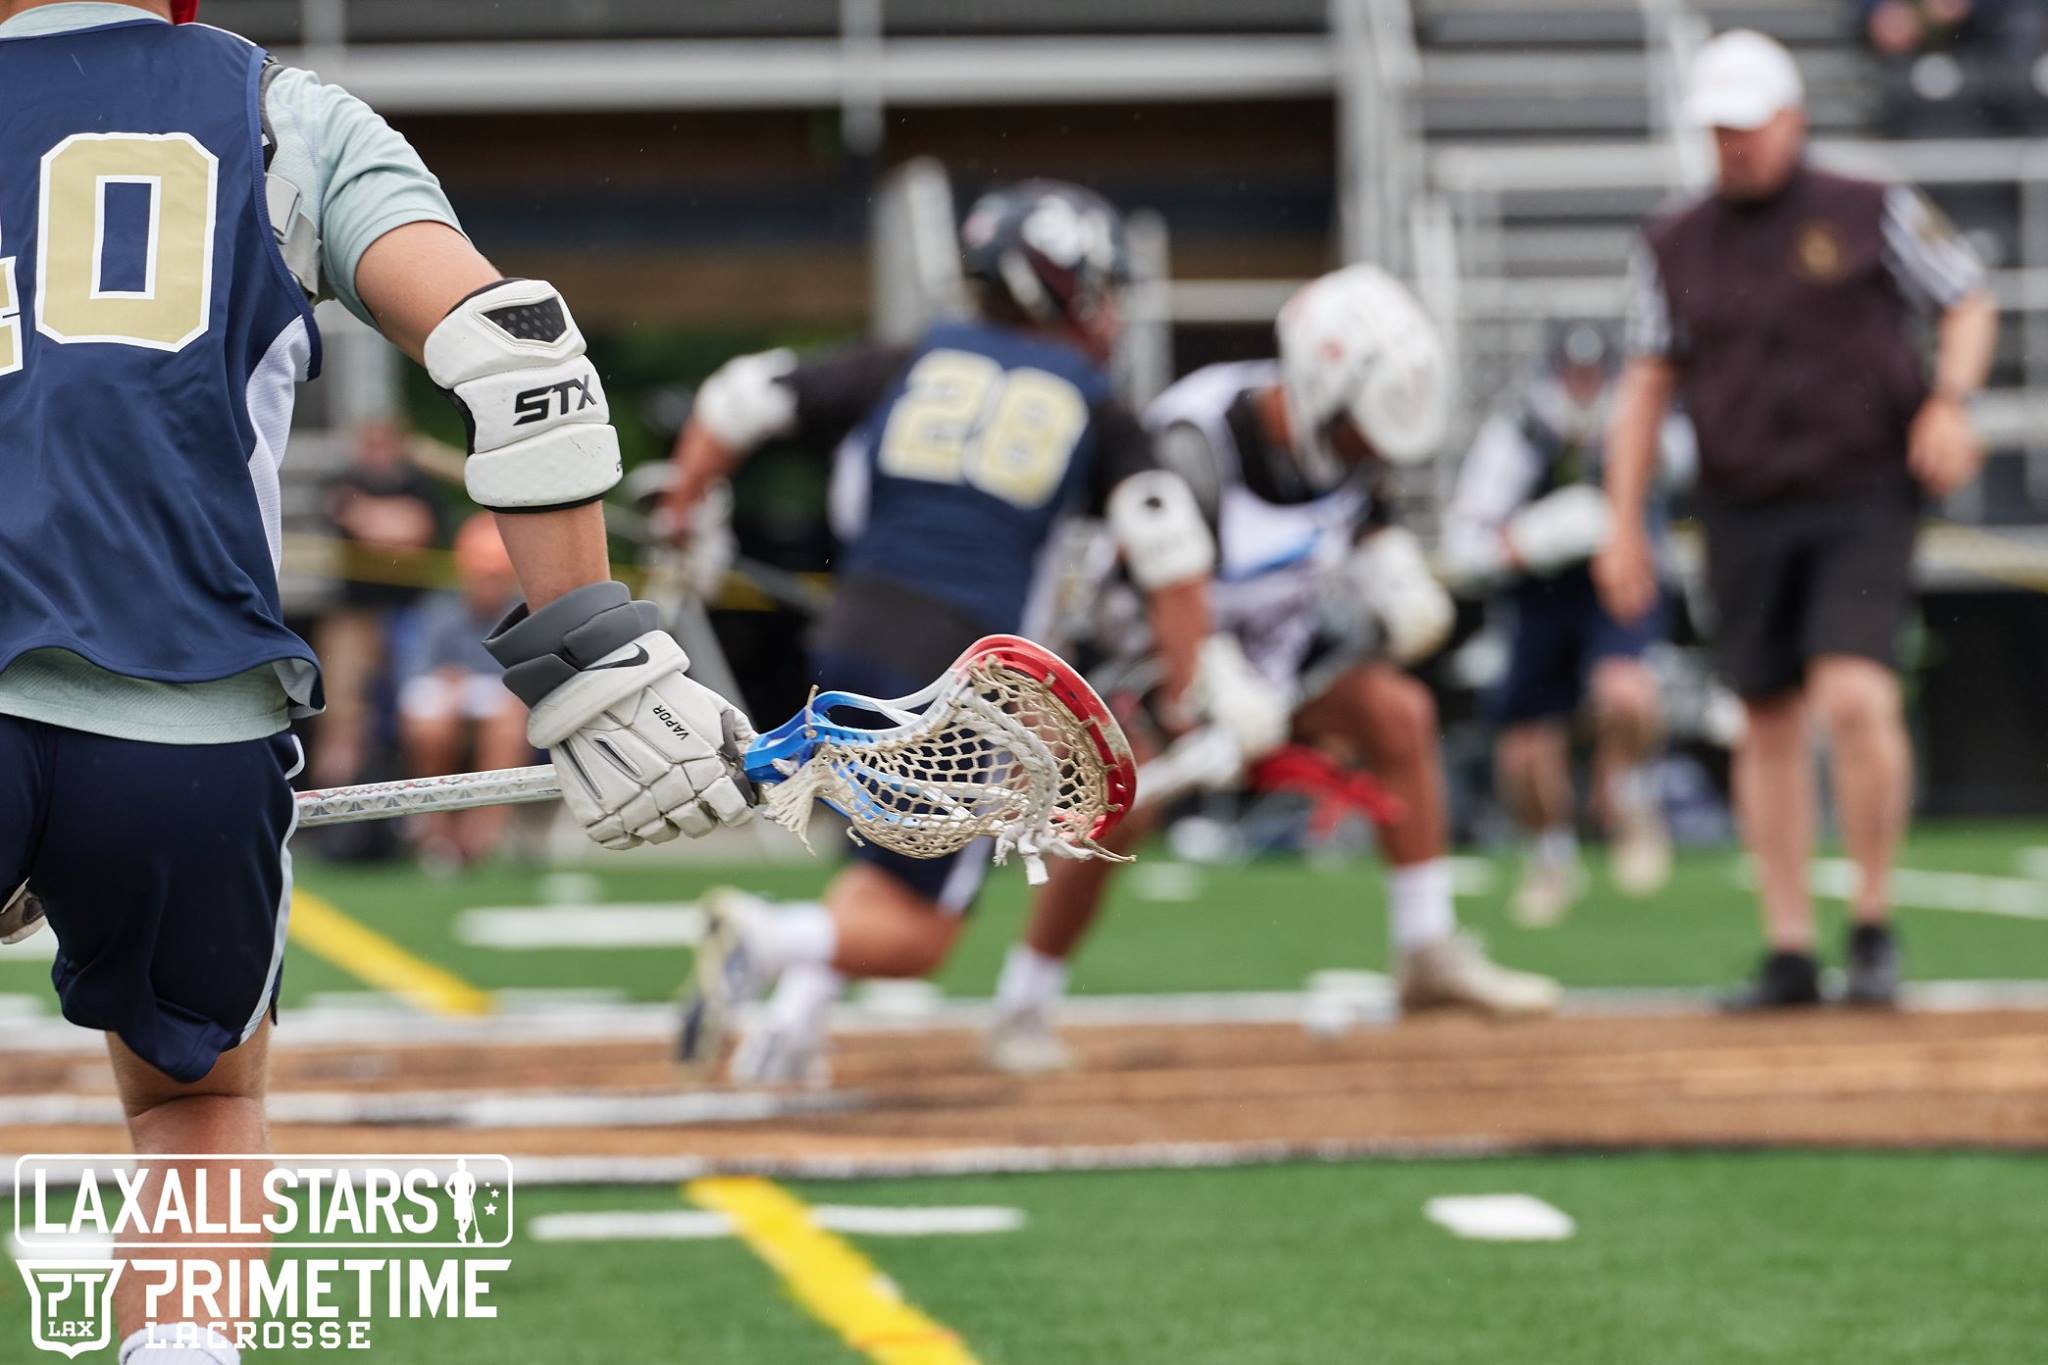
1817	254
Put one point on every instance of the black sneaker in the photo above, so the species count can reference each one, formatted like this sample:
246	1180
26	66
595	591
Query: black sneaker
1873	967
1784	981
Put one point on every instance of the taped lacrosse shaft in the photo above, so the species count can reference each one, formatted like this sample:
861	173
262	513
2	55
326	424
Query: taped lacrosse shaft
1008	744
424	795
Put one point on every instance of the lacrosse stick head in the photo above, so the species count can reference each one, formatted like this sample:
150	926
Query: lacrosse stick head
1009	744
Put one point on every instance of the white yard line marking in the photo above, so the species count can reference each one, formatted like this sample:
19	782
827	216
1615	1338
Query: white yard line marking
1167	881
656	1022
523	928
1500	1218
1920	889
39	947
689	1225
1472	877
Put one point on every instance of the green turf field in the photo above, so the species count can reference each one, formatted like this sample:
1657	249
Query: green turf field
1677	1260
1261	926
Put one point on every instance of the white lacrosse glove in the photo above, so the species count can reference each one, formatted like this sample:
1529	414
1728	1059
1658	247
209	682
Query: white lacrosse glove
21	916
1389	576
644	753
1229	695
1565	528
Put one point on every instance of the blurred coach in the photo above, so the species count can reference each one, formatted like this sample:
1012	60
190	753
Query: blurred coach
1778	306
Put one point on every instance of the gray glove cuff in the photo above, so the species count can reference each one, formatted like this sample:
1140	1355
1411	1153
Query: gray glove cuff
542	650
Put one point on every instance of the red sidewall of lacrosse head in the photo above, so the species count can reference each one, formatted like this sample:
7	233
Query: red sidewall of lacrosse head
1120	769
184	11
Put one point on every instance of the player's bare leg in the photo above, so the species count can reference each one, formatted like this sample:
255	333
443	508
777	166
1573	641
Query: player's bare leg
869	925
1857	702
1532	765
1627	730
1774	799
1391	719
222	1112
1022	1040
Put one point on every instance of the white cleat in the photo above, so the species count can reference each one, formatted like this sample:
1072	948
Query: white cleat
1549	887
1026	1044
1456	973
722	981
779	1057
1639	859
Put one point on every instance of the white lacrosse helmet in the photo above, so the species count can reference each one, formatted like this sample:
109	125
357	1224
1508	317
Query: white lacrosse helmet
1355	343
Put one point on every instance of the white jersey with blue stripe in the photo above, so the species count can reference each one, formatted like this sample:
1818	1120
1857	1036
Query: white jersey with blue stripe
150	341
1272	557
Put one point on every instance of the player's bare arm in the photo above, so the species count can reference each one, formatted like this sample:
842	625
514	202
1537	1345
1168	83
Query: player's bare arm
645	752
1943	448
1625	569
410	279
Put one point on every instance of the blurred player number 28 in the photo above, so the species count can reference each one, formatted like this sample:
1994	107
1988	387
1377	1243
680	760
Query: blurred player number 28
125	251
964	419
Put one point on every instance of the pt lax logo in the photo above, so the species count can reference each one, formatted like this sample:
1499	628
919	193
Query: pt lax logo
73	1303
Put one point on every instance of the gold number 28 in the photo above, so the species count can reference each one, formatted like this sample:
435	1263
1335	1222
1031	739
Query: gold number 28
963	418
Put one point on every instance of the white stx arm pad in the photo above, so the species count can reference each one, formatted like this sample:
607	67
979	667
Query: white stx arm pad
747	401
1160	530
540	430
1565	528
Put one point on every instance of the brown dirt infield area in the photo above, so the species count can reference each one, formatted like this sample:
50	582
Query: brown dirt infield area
1977	1079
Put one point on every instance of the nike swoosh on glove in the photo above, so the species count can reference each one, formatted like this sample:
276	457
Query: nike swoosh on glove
644	752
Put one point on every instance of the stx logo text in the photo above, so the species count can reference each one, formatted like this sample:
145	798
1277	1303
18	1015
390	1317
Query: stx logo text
534	404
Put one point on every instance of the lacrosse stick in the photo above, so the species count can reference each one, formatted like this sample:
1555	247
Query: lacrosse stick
1008	744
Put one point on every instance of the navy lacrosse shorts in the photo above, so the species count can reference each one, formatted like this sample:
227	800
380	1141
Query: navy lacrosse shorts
166	878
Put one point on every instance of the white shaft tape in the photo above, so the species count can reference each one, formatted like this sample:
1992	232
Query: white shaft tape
512	358
1159	528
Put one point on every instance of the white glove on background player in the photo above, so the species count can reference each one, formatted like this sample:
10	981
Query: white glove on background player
1232	696
1559	530
644	753
1389	576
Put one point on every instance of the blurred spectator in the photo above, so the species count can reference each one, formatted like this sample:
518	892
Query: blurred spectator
389	515
1954	65
454	711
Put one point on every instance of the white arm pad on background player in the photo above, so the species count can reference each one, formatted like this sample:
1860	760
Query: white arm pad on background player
1159	527
1560	530
540	433
746	402
1393	581
643	752
1234	697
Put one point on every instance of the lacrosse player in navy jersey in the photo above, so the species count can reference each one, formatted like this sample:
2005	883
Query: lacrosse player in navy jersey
958	457
1285	456
1526	520
171	202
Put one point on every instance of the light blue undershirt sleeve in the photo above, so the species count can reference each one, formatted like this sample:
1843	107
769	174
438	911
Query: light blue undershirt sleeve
358	176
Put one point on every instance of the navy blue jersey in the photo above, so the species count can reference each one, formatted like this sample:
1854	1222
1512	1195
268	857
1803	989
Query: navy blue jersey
150	339
952	482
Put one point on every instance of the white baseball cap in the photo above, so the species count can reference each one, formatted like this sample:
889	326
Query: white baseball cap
1742	79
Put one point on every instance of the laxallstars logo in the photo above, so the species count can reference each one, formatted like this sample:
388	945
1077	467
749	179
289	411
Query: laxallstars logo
73	1303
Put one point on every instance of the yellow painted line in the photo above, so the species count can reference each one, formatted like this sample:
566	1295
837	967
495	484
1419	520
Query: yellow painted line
835	1283
323	930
